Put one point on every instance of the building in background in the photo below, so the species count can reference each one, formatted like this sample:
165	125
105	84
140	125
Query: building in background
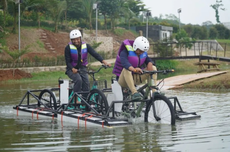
156	32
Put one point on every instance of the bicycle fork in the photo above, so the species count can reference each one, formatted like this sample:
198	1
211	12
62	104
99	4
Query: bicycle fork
154	110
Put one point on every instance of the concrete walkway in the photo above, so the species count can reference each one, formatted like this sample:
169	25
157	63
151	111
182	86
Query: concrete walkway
179	80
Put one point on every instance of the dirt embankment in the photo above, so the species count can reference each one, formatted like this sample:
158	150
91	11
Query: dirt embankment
13	75
43	43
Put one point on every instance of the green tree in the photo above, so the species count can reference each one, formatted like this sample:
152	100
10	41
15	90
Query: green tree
175	28
128	10
164	23
218	5
13	10
4	4
183	39
15	55
227	34
204	33
136	6
104	8
74	11
35	6
196	34
112	9
88	9
171	17
189	29
221	30
213	33
207	23
56	8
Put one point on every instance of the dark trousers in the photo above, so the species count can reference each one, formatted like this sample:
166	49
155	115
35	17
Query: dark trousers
80	79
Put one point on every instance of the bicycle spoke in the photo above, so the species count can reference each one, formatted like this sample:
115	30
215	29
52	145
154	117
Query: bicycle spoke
48	99
98	101
163	109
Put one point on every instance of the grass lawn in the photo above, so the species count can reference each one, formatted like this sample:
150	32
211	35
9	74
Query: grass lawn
217	83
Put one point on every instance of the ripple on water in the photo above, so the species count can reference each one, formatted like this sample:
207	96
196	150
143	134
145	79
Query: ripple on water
209	133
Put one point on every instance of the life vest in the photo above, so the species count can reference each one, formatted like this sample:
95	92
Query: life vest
133	59
74	54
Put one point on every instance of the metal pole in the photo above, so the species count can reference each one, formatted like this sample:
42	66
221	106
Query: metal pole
179	21
19	26
179	11
96	23
147	27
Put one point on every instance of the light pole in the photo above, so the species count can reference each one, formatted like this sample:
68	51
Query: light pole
19	38
148	13
179	11
95	6
19	2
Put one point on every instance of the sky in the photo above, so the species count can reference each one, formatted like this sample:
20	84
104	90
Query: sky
192	11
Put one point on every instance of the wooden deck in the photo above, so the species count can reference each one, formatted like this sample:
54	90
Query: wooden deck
180	80
207	66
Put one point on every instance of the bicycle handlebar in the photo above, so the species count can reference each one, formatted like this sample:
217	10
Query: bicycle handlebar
102	66
159	71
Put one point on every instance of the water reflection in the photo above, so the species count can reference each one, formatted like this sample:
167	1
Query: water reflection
12	93
209	133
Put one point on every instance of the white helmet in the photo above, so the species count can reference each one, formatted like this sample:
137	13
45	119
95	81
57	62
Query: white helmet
141	43
74	34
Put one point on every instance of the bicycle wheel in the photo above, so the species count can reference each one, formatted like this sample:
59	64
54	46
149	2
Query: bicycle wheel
98	101
163	109
47	98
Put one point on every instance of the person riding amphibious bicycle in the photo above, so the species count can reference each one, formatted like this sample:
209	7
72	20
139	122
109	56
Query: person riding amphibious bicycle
76	53
131	59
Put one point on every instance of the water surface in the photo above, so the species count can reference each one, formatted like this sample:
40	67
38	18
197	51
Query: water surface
209	133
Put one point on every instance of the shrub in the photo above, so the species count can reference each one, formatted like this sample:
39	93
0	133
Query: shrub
166	64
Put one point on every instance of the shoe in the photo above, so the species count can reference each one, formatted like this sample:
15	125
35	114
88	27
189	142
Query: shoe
78	101
136	96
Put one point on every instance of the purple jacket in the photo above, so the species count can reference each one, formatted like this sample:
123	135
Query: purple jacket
133	59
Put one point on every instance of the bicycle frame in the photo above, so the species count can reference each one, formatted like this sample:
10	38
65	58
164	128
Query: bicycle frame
94	86
148	86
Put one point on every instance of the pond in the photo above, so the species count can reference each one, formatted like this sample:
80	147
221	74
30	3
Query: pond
209	133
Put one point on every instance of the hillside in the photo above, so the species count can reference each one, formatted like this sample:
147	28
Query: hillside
42	42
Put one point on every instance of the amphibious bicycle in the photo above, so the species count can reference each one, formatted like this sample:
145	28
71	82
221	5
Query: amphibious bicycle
103	106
